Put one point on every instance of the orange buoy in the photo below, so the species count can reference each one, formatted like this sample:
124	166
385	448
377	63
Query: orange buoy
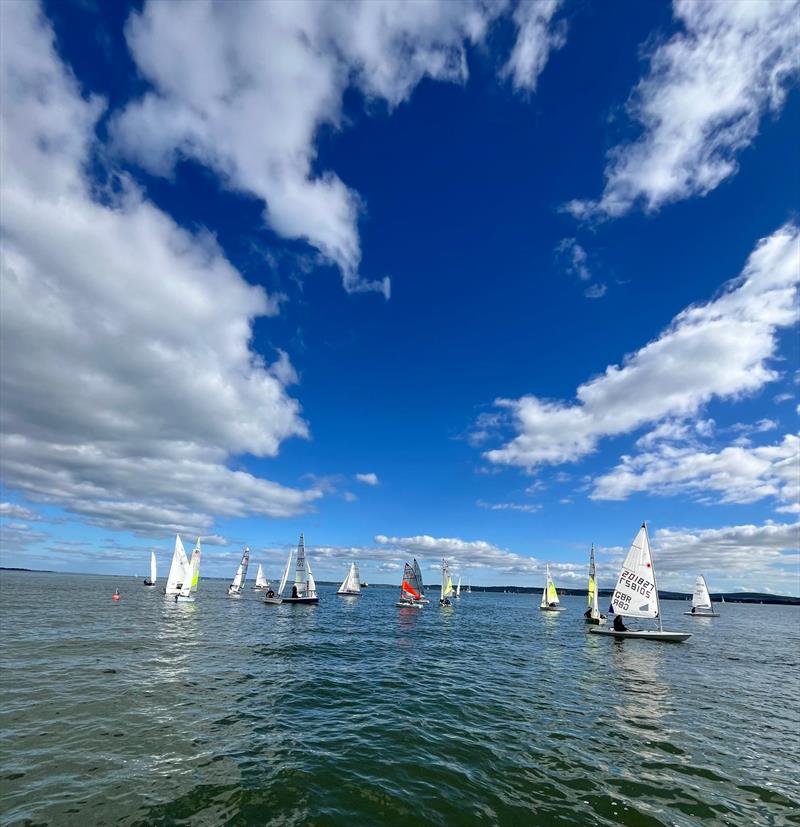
116	595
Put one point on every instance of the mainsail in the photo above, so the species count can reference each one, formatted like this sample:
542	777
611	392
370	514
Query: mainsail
409	588
178	570
303	578
549	593
190	586
701	599
635	594
261	580
418	575
285	575
241	573
447	582
458	587
352	582
593	600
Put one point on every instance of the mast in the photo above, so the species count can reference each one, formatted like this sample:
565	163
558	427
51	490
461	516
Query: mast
655	582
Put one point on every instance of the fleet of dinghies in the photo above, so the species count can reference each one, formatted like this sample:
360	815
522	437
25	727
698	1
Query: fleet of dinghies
635	594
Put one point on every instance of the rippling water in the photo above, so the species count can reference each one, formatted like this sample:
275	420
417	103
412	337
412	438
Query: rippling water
355	712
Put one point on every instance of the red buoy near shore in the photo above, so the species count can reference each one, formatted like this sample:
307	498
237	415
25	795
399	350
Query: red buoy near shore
116	595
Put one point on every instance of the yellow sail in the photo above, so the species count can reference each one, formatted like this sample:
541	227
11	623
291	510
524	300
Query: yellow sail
552	594
449	590
591	590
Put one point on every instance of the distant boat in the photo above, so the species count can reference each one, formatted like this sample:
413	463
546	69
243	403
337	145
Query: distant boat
151	581
189	587
304	589
447	586
592	614
364	584
235	588
351	585
701	600
418	575
549	602
469	588
276	599
636	594
722	599
178	570
458	588
261	584
410	593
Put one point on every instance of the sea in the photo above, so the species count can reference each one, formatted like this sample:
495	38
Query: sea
354	712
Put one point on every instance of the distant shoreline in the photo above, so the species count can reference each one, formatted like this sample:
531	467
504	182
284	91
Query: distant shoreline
730	597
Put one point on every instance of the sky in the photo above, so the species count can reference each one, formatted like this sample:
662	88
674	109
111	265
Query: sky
456	278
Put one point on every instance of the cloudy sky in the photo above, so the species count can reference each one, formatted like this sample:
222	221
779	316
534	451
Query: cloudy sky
462	278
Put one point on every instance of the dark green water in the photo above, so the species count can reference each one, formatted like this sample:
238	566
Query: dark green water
357	713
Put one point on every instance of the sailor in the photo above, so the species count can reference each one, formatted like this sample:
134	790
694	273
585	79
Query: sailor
270	594
294	592
619	626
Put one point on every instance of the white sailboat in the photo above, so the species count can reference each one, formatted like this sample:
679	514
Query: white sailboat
420	584
458	588
447	586
410	593
592	614
261	584
236	587
276	599
549	602
151	581
189	587
701	600
469	587
179	569
304	589
351	585
636	595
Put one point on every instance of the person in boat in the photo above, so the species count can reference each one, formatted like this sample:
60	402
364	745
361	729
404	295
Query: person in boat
693	609
294	592
588	614
552	605
270	594
619	626
445	602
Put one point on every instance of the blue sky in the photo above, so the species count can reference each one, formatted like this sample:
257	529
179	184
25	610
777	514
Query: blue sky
480	280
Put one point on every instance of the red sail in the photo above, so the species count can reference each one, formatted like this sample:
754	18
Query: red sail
409	590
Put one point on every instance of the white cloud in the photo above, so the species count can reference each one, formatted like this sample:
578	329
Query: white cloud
718	349
736	474
595	291
128	380
573	258
244	88
18	512
368	479
536	38
529	508
702	102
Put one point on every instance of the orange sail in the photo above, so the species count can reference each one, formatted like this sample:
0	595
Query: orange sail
408	589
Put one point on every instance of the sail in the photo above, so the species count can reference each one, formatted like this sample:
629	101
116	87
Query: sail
552	594
447	582
701	599
193	579
549	593
592	580
635	594
285	575
152	567
241	572
595	608
261	581
179	568
311	589
418	575
409	588
351	583
458	587
300	570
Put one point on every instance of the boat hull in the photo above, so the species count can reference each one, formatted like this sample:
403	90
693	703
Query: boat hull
179	598
349	594
401	604
149	584
300	600
552	609
643	634
701	614
596	621
273	601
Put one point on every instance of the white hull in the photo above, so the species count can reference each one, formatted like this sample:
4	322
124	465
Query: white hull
644	634
402	604
234	591
596	621
260	588
181	598
349	594
273	601
702	614
552	608
149	585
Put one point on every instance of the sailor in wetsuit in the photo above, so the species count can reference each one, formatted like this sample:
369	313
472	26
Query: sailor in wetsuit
619	626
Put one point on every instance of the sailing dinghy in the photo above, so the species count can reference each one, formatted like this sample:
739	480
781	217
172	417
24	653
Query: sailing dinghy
636	594
271	597
409	590
189	587
592	614
447	586
151	581
458	588
549	601
304	589
262	584
235	588
701	600
420	585
178	570
351	585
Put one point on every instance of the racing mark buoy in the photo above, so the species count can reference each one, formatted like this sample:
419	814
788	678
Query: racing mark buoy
116	595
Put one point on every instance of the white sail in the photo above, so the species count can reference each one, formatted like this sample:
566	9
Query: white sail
261	580
458	587
447	582
152	567
311	589
191	582
179	568
635	594
241	573
549	593
285	576
352	582
701	599
594	602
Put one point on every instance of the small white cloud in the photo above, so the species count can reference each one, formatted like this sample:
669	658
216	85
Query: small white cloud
573	258
349	497
529	508
595	291
368	479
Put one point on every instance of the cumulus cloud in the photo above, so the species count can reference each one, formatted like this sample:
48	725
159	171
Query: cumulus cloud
717	349
536	38
128	379
18	512
736	474
244	88
368	479
701	103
